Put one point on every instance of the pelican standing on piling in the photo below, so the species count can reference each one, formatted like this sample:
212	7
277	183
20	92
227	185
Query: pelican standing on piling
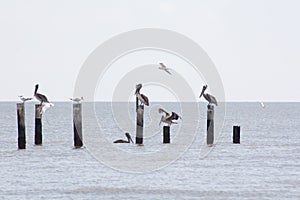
141	97
45	104
211	99
168	118
125	141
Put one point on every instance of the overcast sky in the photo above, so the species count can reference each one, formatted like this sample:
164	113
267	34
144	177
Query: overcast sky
254	44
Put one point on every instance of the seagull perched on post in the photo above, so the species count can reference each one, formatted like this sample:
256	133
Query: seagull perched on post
23	99
168	118
45	104
141	97
211	99
164	68
77	100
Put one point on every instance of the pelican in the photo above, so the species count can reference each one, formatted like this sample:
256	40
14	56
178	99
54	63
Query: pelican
141	97
168	118
23	99
40	97
77	100
211	99
125	141
164	68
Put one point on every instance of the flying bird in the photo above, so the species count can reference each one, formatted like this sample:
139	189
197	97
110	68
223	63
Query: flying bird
141	97
168	118
77	100
23	99
45	106
125	141
164	68
211	99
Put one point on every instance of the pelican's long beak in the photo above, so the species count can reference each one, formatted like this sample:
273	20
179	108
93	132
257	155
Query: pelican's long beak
203	90
130	139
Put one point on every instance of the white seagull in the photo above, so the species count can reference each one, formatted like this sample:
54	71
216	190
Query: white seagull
211	99
164	68
168	118
23	99
77	100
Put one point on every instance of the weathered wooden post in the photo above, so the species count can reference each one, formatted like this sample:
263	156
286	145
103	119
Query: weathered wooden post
77	125
38	139
166	134
236	134
210	124
21	126
139	124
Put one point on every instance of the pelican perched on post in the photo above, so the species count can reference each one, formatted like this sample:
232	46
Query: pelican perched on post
125	141
23	99
164	68
211	99
77	100
45	104
168	118
141	97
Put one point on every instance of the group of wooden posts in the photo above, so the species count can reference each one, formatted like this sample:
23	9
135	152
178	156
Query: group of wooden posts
77	126
38	139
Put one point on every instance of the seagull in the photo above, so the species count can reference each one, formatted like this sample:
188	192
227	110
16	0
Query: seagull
45	106
23	99
262	104
211	99
124	141
77	100
163	67
168	118
141	97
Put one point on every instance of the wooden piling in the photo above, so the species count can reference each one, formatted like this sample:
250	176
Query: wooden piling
139	124
210	124
21	126
77	125
166	134
38	140
236	134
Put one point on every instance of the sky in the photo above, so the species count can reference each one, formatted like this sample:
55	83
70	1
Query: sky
254	44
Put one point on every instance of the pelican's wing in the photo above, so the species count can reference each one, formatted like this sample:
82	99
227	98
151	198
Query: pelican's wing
145	99
160	110
174	116
211	99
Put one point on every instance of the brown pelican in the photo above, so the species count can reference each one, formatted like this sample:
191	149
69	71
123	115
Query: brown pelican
168	118
77	100
163	67
211	99
40	97
125	141
23	99
141	97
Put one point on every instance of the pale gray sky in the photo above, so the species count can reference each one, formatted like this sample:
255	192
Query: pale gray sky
254	44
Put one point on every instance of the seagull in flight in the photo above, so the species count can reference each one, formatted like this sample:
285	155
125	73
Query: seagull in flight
167	117
211	99
164	68
77	100
23	99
